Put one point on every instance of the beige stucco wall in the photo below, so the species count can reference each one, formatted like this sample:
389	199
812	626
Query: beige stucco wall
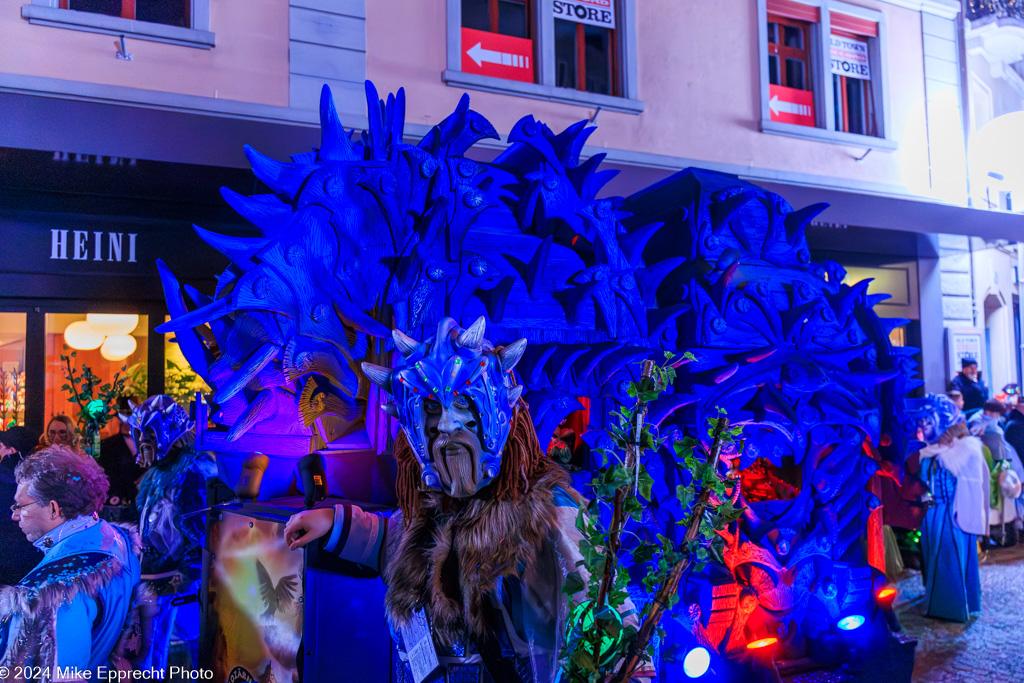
248	64
698	78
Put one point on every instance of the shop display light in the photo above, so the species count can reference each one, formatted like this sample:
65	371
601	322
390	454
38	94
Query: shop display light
696	662
112	324
81	335
118	347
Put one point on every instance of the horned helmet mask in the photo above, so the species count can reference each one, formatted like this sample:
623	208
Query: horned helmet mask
156	426
454	399
934	415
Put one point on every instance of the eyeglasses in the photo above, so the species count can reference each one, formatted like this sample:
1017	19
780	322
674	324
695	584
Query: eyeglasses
15	508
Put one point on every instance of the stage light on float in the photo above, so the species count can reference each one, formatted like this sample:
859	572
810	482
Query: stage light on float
112	324
80	335
118	347
885	597
696	662
850	623
762	643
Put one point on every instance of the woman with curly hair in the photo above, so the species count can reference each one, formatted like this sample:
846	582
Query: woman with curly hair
80	594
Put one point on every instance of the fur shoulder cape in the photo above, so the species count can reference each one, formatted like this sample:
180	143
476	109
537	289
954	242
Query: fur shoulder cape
49	587
453	553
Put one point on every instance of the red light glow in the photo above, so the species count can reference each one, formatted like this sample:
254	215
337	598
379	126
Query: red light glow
763	642
885	596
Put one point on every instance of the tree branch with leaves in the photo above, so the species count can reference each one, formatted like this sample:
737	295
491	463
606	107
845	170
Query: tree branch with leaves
598	646
96	400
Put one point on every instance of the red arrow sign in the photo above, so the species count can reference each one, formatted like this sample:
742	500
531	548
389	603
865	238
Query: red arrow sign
789	105
493	54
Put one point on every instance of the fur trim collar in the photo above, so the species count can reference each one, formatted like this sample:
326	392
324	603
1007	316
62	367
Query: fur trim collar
452	555
51	586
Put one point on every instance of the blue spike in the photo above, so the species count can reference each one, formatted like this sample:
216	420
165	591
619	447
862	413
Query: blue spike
267	212
633	243
246	372
278	175
335	144
191	347
377	134
650	278
722	210
797	221
239	249
218	309
535	268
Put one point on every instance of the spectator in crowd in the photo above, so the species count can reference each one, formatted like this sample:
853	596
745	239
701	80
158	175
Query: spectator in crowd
957	398
73	608
969	383
1007	472
19	555
62	431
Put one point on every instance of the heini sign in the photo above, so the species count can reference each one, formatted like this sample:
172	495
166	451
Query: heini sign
77	245
594	12
850	57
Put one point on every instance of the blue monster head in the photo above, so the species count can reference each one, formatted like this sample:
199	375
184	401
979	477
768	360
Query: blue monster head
454	398
156	426
934	414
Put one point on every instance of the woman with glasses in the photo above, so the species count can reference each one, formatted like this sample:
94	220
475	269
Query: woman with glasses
71	610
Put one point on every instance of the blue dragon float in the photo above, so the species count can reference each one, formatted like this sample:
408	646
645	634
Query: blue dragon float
371	232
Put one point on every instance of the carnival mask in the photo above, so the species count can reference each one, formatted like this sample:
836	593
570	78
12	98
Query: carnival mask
934	415
454	399
156	426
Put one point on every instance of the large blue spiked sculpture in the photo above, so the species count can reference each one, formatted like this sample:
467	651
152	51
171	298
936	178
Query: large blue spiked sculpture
370	232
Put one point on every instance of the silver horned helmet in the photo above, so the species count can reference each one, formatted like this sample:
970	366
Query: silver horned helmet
156	426
454	398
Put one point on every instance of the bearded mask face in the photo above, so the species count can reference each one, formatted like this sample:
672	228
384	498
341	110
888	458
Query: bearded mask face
454	398
156	426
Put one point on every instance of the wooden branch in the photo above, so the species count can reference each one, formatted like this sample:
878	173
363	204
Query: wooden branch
671	585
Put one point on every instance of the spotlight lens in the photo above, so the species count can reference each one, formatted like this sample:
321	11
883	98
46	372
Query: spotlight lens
764	642
696	662
851	622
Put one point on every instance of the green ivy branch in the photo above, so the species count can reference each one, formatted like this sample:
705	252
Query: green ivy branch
96	400
597	641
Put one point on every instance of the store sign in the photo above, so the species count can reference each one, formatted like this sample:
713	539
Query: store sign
790	105
493	54
91	245
594	12
850	57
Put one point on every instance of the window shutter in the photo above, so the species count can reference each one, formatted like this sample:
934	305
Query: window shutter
853	25
794	10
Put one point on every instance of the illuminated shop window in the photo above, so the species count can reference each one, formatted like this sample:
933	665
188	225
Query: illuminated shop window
12	369
104	343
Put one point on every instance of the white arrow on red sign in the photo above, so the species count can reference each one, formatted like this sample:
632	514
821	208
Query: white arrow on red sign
777	105
479	54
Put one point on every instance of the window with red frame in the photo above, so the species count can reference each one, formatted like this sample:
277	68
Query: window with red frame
169	12
507	17
585	57
789	54
853	94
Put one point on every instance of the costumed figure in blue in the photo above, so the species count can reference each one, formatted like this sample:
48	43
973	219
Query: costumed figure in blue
76	608
172	488
478	553
954	467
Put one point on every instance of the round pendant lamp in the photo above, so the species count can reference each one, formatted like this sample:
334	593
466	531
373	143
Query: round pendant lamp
118	347
112	324
80	335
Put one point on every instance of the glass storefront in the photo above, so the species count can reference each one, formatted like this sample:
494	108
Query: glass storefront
106	344
12	369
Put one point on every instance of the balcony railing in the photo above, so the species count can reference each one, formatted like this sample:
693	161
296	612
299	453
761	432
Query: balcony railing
1000	9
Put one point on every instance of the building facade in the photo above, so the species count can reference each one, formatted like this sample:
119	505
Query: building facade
122	121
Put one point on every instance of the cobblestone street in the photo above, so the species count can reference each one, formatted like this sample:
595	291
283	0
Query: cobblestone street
988	648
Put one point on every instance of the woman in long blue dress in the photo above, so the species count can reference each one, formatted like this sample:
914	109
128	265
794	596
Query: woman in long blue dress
953	465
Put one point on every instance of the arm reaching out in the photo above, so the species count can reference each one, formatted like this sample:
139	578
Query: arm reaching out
305	527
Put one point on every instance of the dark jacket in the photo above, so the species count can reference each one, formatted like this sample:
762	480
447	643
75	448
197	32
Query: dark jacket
19	556
975	393
1013	431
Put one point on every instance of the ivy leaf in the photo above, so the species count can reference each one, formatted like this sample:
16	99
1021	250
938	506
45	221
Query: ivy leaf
645	483
573	583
